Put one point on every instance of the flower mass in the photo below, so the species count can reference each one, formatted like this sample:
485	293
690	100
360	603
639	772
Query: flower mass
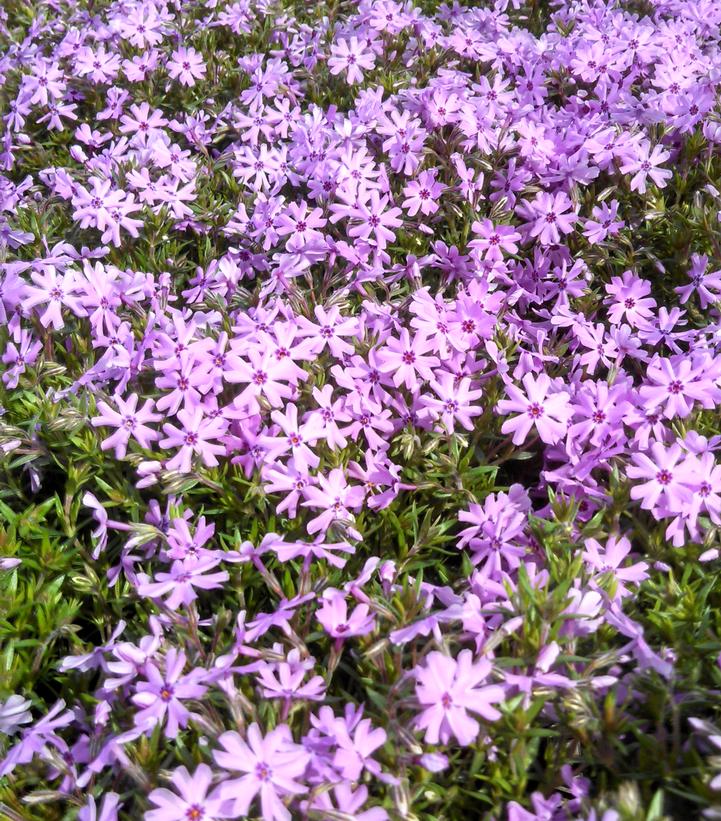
359	410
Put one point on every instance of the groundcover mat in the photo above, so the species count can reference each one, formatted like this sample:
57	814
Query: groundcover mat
359	411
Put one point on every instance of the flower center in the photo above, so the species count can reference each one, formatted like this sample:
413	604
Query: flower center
535	411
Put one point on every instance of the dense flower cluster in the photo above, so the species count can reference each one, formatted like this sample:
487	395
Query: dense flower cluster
307	285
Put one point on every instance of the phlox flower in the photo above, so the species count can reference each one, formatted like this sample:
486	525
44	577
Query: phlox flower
455	402
422	194
675	385
540	407
605	221
53	290
285	680
338	623
334	497
551	215
36	738
160	697
186	65
192	801
348	801
706	285
493	241
666	475
19	354
288	479
629	300
108	810
331	331
14	712
263	374
645	164
408	359
609	558
272	765
448	689
373	221
294	437
355	746
352	56
182	580
130	421
196	436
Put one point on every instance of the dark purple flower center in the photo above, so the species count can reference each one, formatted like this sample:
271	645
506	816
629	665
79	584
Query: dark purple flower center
535	411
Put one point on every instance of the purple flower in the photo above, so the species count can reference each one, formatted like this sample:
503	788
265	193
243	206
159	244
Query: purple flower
14	712
351	56
192	801
336	620
186	65
130	422
182	580
666	475
161	696
408	359
608	559
197	436
52	290
448	689
645	164
271	767
552	215
108	809
540	407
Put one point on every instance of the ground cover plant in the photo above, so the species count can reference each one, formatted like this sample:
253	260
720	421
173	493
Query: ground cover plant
359	410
